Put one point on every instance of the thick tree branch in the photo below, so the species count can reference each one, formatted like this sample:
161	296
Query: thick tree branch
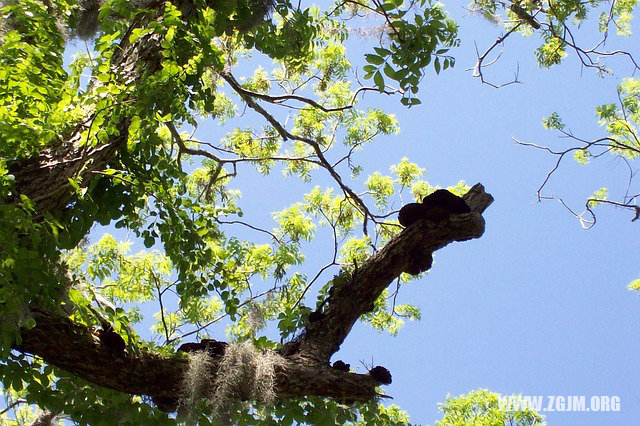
324	337
75	348
44	418
44	178
79	350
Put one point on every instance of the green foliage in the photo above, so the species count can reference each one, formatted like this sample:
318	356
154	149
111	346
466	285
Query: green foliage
407	172
294	224
553	121
551	53
30	380
35	91
315	410
481	408
622	12
35	107
380	188
581	156
390	320
620	122
175	194
292	38
414	44
555	23
600	194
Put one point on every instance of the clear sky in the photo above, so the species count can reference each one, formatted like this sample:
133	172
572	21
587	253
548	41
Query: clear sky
537	306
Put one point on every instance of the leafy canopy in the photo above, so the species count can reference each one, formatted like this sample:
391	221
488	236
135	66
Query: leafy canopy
174	190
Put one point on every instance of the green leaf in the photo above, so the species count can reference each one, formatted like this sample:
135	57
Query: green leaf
74	184
388	6
378	79
374	59
389	72
149	241
382	51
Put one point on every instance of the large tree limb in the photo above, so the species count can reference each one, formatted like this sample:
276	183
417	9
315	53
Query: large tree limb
44	178
324	337
305	372
75	348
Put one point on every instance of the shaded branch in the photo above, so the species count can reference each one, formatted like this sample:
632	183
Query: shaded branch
323	338
305	372
45	418
73	347
12	405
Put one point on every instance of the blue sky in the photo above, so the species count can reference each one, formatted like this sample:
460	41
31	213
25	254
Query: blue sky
537	306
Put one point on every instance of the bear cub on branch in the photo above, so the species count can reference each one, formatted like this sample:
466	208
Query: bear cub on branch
435	207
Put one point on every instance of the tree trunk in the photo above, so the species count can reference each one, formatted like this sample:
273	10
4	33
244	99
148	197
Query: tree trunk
77	349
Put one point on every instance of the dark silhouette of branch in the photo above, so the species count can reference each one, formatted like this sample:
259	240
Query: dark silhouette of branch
323	338
75	348
12	405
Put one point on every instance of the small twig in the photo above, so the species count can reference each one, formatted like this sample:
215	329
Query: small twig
11	406
255	228
164	322
477	70
221	317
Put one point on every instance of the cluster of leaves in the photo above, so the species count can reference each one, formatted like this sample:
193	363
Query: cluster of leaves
315	410
34	109
33	105
29	382
620	121
292	37
482	408
412	45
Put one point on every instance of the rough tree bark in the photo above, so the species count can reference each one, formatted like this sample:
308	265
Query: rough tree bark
45	418
306	371
45	177
324	337
77	349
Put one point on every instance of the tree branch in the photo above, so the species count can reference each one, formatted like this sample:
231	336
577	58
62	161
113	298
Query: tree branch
44	178
285	134
73	347
324	337
305	372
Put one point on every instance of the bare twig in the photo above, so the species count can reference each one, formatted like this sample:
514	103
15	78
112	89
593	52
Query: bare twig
164	321
255	228
12	405
477	69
